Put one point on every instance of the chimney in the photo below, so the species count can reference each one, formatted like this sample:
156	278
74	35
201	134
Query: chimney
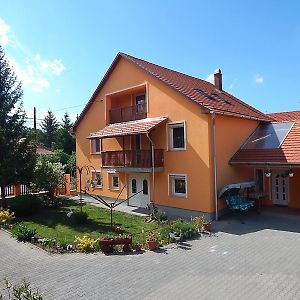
218	79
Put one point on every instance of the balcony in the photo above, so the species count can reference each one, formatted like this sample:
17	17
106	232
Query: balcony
138	159
129	113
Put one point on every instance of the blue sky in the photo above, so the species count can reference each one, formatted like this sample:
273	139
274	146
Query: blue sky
61	49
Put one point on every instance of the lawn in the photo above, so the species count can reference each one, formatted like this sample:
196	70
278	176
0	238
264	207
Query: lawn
54	223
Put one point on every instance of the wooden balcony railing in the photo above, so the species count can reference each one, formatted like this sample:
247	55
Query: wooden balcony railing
132	158
130	113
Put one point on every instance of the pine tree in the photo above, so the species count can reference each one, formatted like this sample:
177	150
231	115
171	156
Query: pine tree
64	140
17	151
49	128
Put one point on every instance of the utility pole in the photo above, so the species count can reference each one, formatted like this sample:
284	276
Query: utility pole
34	120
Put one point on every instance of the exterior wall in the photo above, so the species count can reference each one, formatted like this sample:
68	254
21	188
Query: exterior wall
194	162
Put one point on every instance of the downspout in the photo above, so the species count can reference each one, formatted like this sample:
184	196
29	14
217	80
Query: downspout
152	164
213	117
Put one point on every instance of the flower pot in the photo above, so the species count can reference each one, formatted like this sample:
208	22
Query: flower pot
138	248
152	245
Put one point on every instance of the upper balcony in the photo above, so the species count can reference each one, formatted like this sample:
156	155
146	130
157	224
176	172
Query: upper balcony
129	113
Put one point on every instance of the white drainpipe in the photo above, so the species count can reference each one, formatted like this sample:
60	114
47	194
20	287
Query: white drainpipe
213	117
152	159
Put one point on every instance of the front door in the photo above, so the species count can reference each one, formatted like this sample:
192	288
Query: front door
280	187
137	183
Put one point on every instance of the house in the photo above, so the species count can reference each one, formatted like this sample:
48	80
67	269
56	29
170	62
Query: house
165	137
41	149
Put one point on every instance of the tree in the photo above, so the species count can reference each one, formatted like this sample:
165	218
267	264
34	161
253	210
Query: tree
48	175
64	140
17	149
49	128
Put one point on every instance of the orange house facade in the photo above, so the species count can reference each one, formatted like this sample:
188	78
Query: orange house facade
163	137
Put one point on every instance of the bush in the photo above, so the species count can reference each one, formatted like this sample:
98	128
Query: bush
79	218
23	233
21	291
185	228
86	244
5	217
25	205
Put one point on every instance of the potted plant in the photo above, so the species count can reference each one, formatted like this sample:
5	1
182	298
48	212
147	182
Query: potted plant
152	241
138	247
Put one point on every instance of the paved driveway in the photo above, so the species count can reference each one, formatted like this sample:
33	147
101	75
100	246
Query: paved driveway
256	260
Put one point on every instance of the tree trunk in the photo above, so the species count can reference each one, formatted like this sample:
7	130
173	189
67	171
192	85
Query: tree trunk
3	199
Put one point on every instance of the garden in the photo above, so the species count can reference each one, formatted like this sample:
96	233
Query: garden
60	225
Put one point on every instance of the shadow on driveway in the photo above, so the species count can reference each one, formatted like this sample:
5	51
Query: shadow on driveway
275	218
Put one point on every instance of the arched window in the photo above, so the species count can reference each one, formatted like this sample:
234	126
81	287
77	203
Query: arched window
145	187
133	186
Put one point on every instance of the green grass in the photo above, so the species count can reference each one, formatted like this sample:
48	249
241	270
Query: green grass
54	223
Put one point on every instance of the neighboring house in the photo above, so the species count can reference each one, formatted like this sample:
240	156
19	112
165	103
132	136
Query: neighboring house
41	149
190	128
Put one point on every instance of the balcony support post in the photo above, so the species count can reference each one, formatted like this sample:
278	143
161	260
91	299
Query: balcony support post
123	145
152	164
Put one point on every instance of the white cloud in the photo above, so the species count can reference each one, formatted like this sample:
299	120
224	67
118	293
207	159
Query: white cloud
4	30
29	75
34	72
210	78
231	86
54	66
259	79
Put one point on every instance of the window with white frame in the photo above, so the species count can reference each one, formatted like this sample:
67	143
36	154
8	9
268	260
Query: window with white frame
178	185
95	146
97	179
114	181
177	136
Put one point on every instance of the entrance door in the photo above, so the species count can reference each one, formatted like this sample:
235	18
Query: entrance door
139	182
280	187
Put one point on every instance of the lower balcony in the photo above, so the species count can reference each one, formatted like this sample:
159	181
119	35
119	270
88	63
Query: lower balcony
133	160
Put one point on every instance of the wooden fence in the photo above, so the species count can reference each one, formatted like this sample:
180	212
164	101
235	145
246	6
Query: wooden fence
22	189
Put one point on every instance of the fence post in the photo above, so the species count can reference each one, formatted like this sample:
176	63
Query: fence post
68	184
17	190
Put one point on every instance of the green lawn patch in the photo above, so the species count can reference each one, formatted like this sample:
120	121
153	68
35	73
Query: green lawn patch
54	223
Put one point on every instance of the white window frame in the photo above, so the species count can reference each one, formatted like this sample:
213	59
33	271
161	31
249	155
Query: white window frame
112	174
171	185
93	146
169	135
95	172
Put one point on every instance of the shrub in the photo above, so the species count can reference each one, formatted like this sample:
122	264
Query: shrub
79	218
5	217
185	228
86	244
25	205
23	233
21	291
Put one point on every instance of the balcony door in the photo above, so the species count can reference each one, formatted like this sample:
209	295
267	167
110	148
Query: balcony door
139	182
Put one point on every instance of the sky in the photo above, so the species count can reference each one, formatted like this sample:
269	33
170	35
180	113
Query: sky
60	50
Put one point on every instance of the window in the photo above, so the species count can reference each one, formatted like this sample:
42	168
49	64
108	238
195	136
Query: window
178	185
97	179
115	184
177	136
95	146
145	187
133	186
140	102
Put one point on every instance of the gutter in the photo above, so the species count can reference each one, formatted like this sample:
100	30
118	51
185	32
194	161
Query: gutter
213	118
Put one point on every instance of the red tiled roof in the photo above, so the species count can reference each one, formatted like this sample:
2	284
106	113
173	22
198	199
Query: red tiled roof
128	128
200	91
285	116
288	153
41	149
